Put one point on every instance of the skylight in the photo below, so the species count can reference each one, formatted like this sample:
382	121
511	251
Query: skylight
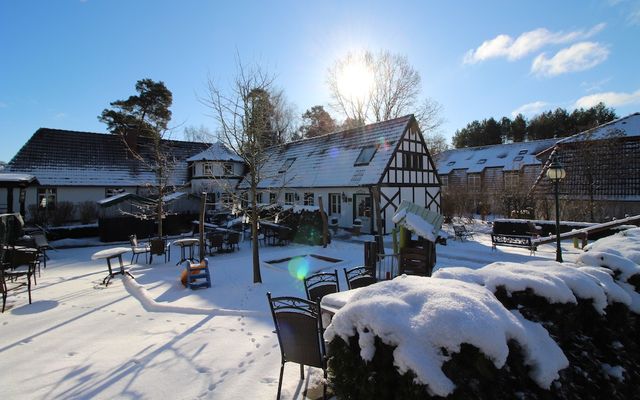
518	158
521	152
366	155
450	163
482	161
286	165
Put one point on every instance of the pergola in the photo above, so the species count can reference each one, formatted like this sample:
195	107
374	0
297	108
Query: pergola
11	181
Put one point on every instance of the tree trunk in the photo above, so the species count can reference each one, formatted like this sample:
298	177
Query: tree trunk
325	223
257	277
160	212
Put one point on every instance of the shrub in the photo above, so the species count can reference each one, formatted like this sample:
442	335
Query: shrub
88	212
62	213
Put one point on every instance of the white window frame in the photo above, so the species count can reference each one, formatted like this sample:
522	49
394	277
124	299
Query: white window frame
207	169
308	199
289	198
474	182
227	169
335	204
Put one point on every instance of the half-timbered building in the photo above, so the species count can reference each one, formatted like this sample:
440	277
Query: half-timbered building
360	174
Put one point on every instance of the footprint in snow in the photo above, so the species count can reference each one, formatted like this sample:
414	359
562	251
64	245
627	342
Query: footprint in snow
203	370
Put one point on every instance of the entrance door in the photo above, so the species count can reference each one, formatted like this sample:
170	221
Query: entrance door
363	210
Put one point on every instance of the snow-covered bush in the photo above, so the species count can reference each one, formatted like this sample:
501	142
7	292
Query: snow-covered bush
504	331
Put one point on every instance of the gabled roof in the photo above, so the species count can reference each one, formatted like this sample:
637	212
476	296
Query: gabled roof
17	178
509	157
625	126
330	160
64	158
217	152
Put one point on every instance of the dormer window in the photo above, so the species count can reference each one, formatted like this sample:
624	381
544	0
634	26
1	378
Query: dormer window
518	158
365	156
522	152
482	161
287	164
450	163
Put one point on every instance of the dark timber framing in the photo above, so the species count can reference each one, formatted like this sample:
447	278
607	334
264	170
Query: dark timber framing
410	175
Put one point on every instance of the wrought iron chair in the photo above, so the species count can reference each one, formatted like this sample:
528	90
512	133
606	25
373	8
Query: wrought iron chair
12	270
158	247
216	241
299	331
359	277
233	241
138	248
318	285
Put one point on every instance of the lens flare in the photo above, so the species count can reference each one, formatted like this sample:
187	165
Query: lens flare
299	267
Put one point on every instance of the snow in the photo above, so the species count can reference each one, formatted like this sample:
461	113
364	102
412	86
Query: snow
217	152
153	338
16	177
173	196
625	126
625	244
113	199
423	315
614	372
112	252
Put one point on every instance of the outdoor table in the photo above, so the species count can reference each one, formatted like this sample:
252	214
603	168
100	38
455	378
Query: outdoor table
333	302
109	254
185	244
271	230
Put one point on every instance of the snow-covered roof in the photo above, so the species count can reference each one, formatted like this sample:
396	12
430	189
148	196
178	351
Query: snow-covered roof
625	126
217	152
16	178
419	220
68	158
509	157
335	159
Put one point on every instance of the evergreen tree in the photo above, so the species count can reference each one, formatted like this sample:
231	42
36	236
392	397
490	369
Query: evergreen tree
518	129
316	122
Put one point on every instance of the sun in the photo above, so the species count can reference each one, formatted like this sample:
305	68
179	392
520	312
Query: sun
355	78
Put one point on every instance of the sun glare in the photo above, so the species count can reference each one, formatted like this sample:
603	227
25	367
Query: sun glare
355	79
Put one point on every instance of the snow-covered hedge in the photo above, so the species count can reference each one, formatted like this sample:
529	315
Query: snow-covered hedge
507	330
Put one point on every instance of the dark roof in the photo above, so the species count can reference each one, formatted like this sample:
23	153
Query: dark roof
330	160
68	158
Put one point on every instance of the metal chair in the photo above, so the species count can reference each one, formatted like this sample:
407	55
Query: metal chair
215	241
318	285
13	270
299	331
359	277
233	241
138	248
159	246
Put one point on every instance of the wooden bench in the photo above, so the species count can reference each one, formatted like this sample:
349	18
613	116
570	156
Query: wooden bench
461	232
512	241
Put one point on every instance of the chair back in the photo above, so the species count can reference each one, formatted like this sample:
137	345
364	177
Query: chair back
234	238
23	257
216	239
133	239
299	330
158	246
359	277
321	284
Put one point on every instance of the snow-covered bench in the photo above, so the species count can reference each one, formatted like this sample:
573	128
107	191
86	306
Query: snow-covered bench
498	239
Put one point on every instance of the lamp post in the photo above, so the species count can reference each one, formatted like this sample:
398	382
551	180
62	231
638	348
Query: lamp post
556	173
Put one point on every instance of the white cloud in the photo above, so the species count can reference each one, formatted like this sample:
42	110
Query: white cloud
528	42
530	108
611	99
634	17
593	86
578	57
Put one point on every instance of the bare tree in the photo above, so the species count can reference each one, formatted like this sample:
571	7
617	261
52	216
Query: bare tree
243	118
394	90
198	134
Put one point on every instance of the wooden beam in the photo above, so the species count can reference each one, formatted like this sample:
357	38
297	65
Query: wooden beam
375	196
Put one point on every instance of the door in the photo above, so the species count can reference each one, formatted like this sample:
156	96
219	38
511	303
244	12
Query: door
363	210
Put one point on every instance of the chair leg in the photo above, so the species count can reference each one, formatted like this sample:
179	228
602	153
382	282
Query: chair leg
132	257
29	287
301	371
280	381
4	300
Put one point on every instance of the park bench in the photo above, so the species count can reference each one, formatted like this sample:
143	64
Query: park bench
498	239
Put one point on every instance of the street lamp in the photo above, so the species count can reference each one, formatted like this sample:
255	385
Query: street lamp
556	173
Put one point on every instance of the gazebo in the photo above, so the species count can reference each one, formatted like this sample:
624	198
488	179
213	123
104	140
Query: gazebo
10	181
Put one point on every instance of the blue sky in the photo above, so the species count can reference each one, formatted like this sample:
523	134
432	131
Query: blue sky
64	61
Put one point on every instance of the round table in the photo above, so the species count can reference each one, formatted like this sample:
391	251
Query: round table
109	254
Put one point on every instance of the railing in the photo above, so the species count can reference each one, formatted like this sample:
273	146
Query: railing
387	266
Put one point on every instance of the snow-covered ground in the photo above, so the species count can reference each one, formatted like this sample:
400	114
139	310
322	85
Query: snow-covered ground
153	339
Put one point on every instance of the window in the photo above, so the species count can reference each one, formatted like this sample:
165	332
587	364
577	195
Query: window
511	180
335	204
109	192
207	169
521	152
518	158
273	197
366	155
227	169
308	199
412	161
244	200
473	182
289	198
482	161
445	181
47	197
259	198
287	164
226	200
450	163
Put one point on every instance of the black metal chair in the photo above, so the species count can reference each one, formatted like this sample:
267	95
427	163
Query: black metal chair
12	270
159	247
321	284
299	329
138	248
233	241
215	241
359	277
